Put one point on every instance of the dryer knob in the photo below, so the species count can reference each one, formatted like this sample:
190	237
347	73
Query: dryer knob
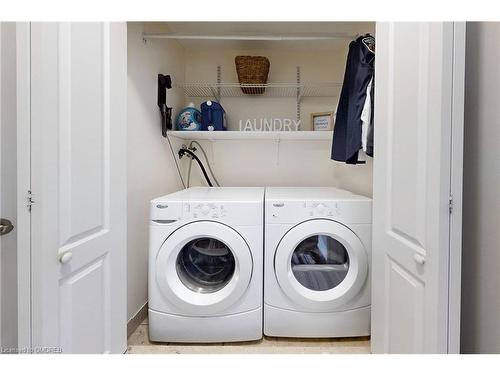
205	210
320	208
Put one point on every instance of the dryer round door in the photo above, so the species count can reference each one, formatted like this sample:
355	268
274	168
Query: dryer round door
204	267
320	264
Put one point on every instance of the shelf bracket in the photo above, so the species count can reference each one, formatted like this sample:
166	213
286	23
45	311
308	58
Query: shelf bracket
278	142
219	80
216	92
298	96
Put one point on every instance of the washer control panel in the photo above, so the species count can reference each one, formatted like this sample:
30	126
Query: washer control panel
233	212
205	210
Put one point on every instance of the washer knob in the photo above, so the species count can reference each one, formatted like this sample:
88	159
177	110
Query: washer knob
320	208
205	210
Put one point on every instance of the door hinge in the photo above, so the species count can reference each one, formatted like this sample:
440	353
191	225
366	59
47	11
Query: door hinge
450	204
29	199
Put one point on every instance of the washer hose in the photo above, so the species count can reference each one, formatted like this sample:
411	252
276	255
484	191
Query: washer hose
191	148
184	151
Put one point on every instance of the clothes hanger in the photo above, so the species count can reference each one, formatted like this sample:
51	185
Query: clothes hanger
369	42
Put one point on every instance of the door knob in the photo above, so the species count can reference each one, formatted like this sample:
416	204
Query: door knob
419	258
66	257
5	226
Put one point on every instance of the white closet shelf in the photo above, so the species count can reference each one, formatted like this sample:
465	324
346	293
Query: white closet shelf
259	37
269	90
253	135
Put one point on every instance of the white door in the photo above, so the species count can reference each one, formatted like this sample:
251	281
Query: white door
78	182
418	122
321	264
8	209
1	182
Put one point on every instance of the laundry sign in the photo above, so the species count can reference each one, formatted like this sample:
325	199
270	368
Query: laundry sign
269	124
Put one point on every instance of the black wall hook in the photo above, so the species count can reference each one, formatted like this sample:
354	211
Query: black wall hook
164	83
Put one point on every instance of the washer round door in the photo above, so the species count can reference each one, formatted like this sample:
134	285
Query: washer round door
320	264
204	267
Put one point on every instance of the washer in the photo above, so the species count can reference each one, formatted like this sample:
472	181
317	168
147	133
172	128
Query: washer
317	263
205	265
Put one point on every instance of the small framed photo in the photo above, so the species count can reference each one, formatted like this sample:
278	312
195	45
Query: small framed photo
322	121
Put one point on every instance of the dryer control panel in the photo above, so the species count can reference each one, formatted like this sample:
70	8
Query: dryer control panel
323	208
293	211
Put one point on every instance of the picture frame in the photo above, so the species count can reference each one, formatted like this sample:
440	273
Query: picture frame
322	121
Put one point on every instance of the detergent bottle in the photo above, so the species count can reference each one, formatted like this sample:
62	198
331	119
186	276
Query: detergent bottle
189	118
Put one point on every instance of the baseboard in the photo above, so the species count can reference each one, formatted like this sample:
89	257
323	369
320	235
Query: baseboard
137	319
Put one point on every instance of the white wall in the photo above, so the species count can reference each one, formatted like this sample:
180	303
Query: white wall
287	163
481	206
151	171
8	261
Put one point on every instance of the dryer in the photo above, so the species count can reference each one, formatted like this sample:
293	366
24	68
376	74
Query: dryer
317	263
205	265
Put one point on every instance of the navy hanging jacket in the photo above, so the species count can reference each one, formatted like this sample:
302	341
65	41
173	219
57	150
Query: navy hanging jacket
358	73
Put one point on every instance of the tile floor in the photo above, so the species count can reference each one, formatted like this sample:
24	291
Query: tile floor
138	343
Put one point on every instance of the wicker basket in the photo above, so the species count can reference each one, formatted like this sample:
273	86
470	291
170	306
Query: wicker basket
252	70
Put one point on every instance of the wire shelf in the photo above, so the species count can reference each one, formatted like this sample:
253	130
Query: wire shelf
269	90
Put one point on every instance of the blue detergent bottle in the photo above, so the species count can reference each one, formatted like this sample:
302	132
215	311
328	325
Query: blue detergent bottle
213	116
189	119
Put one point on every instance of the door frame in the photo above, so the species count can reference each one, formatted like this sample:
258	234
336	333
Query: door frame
23	45
1	310
24	183
456	185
